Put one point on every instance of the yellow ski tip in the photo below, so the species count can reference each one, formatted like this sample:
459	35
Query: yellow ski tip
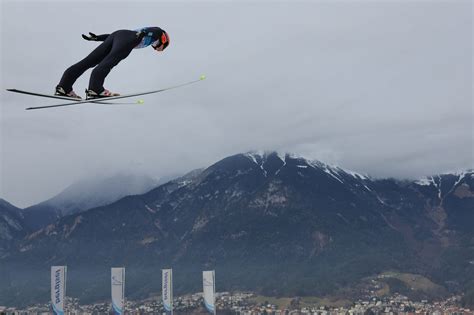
202	77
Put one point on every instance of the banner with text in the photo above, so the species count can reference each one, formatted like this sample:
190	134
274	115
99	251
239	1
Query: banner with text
208	281
118	290
167	290
58	289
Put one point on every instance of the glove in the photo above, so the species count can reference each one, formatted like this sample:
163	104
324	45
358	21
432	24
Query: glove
91	37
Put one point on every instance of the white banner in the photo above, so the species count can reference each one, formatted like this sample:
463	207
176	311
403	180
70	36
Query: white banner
118	290
167	290
58	289
209	290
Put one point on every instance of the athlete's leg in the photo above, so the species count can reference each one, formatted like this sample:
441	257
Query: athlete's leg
94	58
123	44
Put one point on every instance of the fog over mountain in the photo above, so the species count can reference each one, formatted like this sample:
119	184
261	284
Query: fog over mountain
88	193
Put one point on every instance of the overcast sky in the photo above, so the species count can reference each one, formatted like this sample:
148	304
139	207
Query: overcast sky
379	87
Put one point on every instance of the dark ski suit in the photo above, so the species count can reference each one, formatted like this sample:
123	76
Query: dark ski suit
115	47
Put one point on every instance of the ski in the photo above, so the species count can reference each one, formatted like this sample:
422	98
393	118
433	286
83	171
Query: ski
58	97
69	98
95	100
44	95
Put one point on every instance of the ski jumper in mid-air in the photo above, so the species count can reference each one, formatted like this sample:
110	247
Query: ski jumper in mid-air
115	47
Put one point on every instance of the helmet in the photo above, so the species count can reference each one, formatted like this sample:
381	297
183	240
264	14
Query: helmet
164	40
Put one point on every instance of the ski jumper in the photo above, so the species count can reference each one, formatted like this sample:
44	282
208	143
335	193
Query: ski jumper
115	47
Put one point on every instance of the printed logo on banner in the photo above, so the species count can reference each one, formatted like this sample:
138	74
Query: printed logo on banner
165	285
57	286
116	281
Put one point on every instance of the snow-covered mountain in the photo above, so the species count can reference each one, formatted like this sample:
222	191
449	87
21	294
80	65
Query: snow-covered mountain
448	183
277	224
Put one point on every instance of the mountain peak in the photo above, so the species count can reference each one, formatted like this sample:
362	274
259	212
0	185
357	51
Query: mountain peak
261	157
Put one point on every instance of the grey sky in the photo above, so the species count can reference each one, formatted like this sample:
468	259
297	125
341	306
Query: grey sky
383	88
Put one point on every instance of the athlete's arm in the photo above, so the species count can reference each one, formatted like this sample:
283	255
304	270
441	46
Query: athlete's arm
94	37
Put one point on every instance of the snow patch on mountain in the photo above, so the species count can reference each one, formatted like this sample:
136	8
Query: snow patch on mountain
425	181
255	157
357	175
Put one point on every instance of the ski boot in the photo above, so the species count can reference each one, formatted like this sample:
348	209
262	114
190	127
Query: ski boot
105	93
61	92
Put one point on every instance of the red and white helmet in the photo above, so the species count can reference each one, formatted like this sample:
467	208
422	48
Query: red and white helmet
163	40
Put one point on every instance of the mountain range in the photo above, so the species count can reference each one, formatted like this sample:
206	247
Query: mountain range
270	223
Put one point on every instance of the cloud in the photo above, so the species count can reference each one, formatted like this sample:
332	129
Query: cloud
381	88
